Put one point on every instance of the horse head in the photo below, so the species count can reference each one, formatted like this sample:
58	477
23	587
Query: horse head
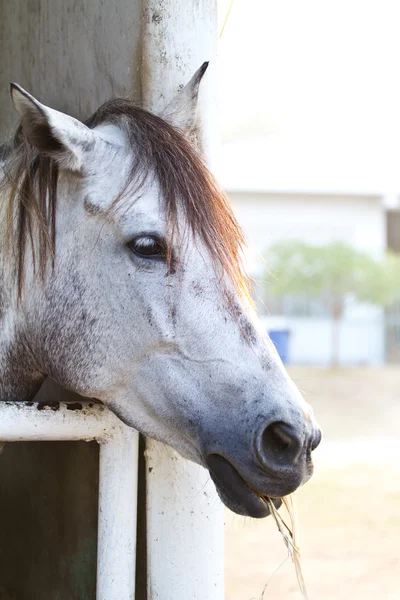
129	288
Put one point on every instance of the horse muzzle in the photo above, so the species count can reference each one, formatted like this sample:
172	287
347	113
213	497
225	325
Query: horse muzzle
282	462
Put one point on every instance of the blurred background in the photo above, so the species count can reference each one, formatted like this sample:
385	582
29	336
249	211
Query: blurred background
310	109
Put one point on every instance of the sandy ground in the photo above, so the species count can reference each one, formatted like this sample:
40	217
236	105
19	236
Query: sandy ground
349	512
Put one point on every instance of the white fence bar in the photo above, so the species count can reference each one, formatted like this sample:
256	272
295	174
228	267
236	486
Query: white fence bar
116	555
55	421
52	421
185	557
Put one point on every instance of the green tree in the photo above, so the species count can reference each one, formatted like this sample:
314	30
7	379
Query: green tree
332	273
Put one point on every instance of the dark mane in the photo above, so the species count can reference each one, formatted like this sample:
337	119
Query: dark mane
158	148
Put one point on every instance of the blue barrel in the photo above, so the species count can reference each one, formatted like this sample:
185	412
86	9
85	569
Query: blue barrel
280	338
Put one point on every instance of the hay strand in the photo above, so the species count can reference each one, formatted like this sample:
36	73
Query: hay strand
290	536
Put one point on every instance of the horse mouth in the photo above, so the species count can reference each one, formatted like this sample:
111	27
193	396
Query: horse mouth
234	491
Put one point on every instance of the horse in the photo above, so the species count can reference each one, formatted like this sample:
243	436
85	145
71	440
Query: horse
122	279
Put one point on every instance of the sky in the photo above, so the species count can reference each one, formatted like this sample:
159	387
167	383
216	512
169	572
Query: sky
310	93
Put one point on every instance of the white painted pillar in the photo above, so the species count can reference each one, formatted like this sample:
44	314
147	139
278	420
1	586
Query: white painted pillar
184	514
178	37
185	554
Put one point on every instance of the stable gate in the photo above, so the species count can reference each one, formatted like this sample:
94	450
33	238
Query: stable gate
183	560
116	550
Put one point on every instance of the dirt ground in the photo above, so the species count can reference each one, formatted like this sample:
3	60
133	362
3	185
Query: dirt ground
349	512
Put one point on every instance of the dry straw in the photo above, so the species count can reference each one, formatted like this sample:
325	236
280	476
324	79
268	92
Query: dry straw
290	536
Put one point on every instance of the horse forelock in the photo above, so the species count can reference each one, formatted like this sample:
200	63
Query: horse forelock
158	148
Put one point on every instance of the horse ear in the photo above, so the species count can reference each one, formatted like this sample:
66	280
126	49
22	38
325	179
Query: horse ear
182	111
53	133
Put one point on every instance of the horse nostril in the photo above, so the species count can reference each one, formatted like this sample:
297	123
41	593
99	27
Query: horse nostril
279	446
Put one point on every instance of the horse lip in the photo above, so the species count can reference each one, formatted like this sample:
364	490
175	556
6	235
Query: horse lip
234	491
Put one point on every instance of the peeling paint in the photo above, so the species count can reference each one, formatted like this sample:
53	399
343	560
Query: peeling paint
74	406
52	405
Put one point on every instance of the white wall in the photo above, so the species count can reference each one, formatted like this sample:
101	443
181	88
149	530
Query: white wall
317	218
361	339
314	218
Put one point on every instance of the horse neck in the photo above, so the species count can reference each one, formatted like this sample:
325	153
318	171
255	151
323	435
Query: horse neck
19	377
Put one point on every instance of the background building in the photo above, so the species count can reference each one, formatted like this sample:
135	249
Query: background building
311	128
279	195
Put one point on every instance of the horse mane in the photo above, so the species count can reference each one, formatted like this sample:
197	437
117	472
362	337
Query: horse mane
157	148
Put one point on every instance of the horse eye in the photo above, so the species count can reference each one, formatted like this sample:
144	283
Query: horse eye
148	247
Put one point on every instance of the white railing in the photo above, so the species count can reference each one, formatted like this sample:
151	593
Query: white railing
184	517
41	421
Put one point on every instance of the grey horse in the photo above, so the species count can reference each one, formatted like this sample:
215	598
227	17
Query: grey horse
121	278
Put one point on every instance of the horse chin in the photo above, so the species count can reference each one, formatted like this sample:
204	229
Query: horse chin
234	492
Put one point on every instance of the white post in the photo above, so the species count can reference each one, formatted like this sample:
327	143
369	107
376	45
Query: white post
184	514
116	552
184	529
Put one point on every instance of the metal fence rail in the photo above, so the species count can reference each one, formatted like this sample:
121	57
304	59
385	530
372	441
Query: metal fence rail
54	421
